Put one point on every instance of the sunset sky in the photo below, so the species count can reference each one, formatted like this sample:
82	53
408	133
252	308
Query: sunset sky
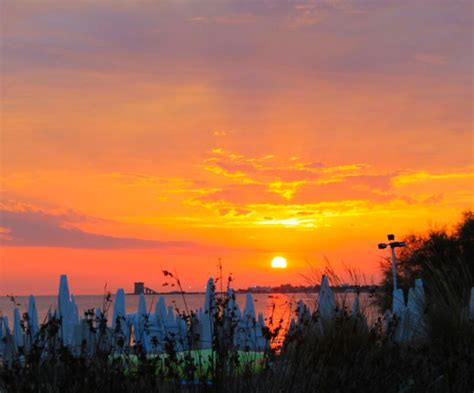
142	136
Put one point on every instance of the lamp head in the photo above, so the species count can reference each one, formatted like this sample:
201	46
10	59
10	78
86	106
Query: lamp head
397	244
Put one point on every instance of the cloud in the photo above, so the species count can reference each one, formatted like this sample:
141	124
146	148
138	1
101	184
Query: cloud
273	179
234	212
424	176
243	194
29	228
262	169
431	59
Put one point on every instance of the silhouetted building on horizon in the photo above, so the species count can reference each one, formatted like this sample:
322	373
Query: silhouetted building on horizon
139	287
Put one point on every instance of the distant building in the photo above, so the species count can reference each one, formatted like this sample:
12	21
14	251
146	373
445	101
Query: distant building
258	288
139	288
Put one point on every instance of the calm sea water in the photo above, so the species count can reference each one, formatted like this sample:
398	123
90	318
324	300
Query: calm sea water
278	306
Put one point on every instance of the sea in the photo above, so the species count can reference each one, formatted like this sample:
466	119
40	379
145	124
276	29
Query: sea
276	307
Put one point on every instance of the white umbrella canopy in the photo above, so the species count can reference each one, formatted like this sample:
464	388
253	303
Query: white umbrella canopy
4	332
161	313
33	316
119	308
416	298
249	310
74	311
17	330
327	301
398	302
140	317
66	311
207	316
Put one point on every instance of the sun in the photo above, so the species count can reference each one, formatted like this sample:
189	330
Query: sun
279	263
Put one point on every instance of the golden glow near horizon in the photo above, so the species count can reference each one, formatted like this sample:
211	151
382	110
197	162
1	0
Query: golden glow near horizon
228	132
279	263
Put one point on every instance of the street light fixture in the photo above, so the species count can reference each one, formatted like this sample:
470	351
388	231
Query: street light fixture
392	244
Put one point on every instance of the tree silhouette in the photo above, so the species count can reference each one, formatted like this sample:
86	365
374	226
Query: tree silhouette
443	258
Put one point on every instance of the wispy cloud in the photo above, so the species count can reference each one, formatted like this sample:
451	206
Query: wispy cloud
29	228
261	177
465	174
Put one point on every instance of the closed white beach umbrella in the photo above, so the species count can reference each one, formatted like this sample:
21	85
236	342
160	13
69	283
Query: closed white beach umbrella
33	316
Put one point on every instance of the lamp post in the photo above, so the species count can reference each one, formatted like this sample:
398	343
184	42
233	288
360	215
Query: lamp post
392	244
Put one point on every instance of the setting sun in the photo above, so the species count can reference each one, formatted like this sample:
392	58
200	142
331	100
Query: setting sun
279	263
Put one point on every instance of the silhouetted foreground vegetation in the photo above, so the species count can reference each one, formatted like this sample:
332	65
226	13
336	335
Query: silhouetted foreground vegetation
342	354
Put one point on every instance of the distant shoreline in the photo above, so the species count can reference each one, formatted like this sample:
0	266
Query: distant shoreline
272	292
238	291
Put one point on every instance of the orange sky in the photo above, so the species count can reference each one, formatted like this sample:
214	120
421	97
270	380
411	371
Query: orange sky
142	137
